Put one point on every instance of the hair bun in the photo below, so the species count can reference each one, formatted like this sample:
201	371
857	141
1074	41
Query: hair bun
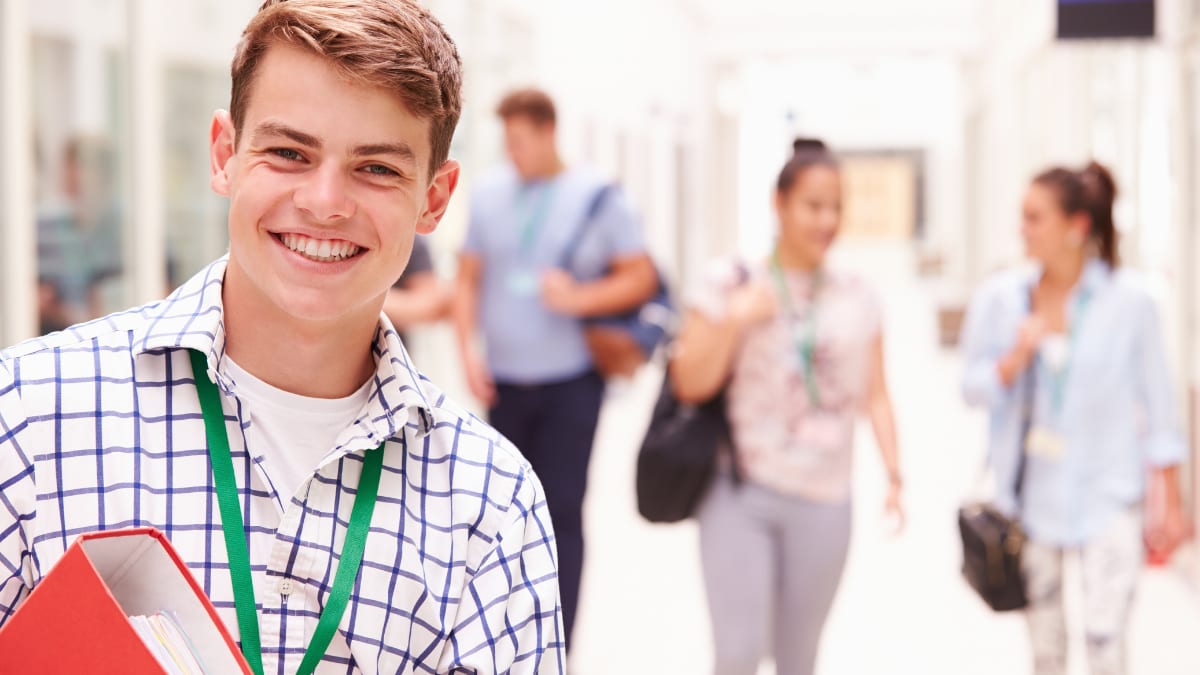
807	145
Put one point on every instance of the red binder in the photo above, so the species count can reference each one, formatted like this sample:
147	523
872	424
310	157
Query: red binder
76	619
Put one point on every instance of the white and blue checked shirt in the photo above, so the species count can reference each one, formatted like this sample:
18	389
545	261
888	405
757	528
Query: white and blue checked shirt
101	428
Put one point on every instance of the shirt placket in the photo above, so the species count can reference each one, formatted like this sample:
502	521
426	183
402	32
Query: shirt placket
282	629
289	601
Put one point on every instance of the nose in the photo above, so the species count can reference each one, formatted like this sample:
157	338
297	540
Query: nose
324	195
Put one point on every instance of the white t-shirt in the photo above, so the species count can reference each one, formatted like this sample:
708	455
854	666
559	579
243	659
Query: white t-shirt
292	432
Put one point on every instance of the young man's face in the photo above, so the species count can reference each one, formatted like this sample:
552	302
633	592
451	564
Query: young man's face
327	182
530	145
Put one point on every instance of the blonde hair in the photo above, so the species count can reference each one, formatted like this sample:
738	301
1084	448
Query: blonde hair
394	44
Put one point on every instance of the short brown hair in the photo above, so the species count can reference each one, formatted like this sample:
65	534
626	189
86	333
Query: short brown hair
393	44
534	104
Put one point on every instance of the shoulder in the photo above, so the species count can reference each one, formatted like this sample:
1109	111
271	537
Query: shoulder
494	183
1135	290
1006	288
119	330
851	283
585	178
483	471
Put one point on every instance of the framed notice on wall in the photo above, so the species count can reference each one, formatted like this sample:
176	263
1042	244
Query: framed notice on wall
1083	19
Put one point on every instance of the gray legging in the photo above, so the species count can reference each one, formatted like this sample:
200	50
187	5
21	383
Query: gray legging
771	561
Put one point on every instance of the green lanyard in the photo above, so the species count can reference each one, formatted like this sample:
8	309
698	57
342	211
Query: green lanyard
535	221
235	533
806	340
1060	378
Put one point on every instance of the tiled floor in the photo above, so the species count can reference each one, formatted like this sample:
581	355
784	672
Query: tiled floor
902	608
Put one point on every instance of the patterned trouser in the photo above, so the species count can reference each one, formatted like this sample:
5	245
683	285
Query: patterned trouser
1110	565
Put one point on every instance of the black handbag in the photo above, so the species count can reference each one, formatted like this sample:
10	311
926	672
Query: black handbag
992	542
678	457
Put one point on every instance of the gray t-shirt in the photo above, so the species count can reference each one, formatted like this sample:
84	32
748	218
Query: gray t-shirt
420	261
522	229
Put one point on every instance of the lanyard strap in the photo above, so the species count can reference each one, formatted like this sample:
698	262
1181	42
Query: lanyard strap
1059	382
536	220
235	533
805	340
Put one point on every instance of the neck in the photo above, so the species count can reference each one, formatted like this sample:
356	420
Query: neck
791	259
1065	272
319	359
549	169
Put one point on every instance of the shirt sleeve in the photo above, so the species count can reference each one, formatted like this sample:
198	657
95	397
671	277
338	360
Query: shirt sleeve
510	618
983	347
622	228
474	243
17	500
420	262
872	310
1164	445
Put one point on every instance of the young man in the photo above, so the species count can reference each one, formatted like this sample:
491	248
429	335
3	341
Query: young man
333	153
539	378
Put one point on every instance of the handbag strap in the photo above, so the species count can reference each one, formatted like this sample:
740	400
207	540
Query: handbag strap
1028	403
598	200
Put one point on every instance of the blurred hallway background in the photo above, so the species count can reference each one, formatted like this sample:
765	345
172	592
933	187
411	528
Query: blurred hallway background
942	109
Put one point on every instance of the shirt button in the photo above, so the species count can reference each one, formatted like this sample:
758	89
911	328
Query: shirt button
285	587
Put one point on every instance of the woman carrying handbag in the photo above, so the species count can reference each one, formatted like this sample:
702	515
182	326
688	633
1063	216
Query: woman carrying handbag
1087	342
797	349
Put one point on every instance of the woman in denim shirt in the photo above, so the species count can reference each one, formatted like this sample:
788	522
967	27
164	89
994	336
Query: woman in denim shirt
1102	412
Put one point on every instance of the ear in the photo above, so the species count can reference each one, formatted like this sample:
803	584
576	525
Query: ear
437	196
1081	227
221	147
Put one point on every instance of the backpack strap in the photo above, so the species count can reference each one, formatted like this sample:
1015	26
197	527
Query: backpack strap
599	199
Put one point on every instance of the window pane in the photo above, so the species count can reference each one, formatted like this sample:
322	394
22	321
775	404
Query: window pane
81	132
196	217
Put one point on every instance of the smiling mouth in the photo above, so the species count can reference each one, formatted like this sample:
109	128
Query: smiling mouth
319	250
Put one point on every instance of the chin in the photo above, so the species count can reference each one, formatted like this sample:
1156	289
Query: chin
320	307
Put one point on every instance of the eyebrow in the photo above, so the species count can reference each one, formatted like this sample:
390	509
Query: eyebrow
403	150
277	129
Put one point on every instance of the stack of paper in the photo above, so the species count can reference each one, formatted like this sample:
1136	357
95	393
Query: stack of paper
169	643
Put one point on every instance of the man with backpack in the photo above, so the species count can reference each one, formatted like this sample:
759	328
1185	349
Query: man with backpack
548	249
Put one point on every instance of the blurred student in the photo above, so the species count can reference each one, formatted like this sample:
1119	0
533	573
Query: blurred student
538	378
799	347
1102	413
78	238
418	296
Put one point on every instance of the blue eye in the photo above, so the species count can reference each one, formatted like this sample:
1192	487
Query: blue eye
288	154
380	170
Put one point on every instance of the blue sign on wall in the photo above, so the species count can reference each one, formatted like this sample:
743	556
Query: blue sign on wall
1079	19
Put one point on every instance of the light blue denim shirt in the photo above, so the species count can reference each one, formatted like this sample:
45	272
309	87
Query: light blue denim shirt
1117	411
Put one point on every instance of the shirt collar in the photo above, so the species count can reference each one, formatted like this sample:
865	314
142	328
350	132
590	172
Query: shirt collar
1096	273
193	317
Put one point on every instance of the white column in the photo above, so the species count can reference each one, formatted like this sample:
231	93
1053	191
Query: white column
145	235
18	256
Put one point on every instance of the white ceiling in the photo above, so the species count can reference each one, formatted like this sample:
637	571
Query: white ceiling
747	28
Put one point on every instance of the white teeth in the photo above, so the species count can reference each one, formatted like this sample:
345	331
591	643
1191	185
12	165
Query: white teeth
322	250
